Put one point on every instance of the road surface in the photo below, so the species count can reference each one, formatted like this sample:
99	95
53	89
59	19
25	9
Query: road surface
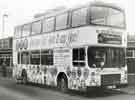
9	90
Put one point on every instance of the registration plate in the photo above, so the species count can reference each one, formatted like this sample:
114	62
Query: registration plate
111	86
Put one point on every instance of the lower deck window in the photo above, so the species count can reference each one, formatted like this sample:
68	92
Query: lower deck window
47	57
78	57
24	57
35	57
18	58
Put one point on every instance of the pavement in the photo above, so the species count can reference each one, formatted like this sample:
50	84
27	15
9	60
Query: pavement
9	90
128	89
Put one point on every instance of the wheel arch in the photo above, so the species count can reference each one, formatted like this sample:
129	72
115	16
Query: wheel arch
60	75
23	72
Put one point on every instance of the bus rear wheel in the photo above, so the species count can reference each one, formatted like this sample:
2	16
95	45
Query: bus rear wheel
24	77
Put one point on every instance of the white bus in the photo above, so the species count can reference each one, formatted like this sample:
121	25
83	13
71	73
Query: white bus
76	48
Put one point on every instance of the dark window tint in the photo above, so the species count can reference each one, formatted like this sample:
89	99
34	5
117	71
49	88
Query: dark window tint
47	57
117	56
35	57
1	44
24	57
106	57
131	65
18	57
78	57
97	57
130	53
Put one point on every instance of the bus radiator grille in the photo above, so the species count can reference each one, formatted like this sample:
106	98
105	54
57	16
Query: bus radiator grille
111	79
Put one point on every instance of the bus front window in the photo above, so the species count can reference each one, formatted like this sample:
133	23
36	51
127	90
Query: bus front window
107	16
106	57
96	57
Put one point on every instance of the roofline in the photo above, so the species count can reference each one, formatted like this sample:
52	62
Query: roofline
111	5
92	3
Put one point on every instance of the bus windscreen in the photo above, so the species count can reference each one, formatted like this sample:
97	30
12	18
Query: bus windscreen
106	57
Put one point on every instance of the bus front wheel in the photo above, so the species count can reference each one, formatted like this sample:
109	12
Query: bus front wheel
63	84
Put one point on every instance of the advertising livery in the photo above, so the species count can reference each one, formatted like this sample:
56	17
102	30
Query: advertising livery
75	48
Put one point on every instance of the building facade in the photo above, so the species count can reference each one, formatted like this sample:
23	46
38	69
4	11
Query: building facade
131	59
6	55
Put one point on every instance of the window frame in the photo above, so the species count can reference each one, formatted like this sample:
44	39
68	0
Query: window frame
28	56
44	23
30	26
47	53
34	53
78	60
19	58
87	15
16	29
40	26
89	18
67	21
132	53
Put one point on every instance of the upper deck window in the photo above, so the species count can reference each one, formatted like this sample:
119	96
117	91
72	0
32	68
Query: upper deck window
107	16
79	17
61	21
36	27
17	33
48	24
26	30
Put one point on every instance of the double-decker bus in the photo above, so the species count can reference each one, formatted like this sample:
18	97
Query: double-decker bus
77	48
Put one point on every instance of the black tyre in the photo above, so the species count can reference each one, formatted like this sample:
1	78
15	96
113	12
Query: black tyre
63	84
24	77
17	81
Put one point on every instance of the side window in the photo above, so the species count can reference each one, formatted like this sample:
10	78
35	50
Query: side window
36	27
78	58
24	57
61	21
18	57
48	24
130	53
47	57
26	30
35	57
0	43
17	33
79	17
5	43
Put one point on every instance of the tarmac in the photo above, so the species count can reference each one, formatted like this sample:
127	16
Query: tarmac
129	89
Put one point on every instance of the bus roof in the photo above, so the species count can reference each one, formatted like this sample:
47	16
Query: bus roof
111	5
59	10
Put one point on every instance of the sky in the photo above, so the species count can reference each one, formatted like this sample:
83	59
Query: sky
22	11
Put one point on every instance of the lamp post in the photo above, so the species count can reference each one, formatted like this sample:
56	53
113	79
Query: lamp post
3	22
